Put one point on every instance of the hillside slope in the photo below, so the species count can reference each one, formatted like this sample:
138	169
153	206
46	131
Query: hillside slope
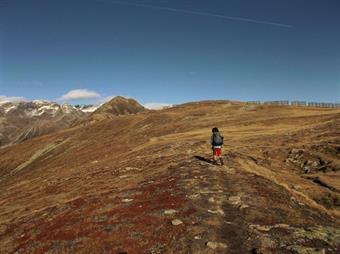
119	105
144	184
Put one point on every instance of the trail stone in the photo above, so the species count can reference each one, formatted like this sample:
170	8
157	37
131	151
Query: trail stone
176	222
216	245
127	200
218	211
243	206
211	200
235	200
170	211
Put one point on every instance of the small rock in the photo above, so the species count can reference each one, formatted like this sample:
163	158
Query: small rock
132	168
197	237
216	245
176	222
243	206
94	162
194	196
314	164
170	211
126	200
218	211
296	187
235	200
294	151
211	200
307	169
260	227
205	191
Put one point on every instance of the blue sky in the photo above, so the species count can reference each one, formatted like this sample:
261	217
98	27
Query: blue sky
171	51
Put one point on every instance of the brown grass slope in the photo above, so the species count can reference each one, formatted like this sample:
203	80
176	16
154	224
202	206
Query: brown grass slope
119	105
108	187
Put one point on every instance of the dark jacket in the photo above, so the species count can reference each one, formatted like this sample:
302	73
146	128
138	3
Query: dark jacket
212	140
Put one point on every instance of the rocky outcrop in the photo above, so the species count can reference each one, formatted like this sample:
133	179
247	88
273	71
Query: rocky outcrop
307	162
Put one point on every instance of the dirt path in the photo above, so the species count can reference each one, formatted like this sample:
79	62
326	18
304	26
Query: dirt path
240	212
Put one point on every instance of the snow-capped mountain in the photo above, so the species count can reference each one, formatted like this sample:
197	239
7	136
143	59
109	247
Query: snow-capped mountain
21	120
88	108
37	108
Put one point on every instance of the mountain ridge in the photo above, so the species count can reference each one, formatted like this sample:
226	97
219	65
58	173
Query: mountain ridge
20	121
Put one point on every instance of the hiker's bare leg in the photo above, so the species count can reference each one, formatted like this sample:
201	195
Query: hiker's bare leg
221	160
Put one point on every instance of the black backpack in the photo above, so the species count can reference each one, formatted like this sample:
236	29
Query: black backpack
217	139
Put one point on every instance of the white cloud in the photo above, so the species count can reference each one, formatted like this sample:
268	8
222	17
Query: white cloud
156	105
5	99
80	94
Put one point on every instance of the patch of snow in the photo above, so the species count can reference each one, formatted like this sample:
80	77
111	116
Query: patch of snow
89	109
51	109
9	108
67	108
33	112
157	106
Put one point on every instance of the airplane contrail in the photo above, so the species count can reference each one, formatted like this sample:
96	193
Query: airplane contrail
207	14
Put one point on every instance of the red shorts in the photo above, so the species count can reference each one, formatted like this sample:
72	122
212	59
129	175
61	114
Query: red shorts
217	151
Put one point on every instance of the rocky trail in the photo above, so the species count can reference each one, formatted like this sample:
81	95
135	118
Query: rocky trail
192	207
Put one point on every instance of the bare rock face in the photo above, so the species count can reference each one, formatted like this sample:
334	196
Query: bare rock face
20	121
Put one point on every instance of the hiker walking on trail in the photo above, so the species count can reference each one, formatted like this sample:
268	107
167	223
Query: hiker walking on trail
216	143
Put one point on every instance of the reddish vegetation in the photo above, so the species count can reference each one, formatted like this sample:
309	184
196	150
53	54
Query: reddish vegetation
105	187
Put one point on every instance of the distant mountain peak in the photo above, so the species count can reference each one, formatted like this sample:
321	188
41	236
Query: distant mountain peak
22	120
118	105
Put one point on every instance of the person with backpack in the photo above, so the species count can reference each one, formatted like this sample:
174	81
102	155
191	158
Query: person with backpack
216	143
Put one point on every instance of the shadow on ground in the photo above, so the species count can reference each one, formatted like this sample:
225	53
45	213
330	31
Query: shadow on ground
201	158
